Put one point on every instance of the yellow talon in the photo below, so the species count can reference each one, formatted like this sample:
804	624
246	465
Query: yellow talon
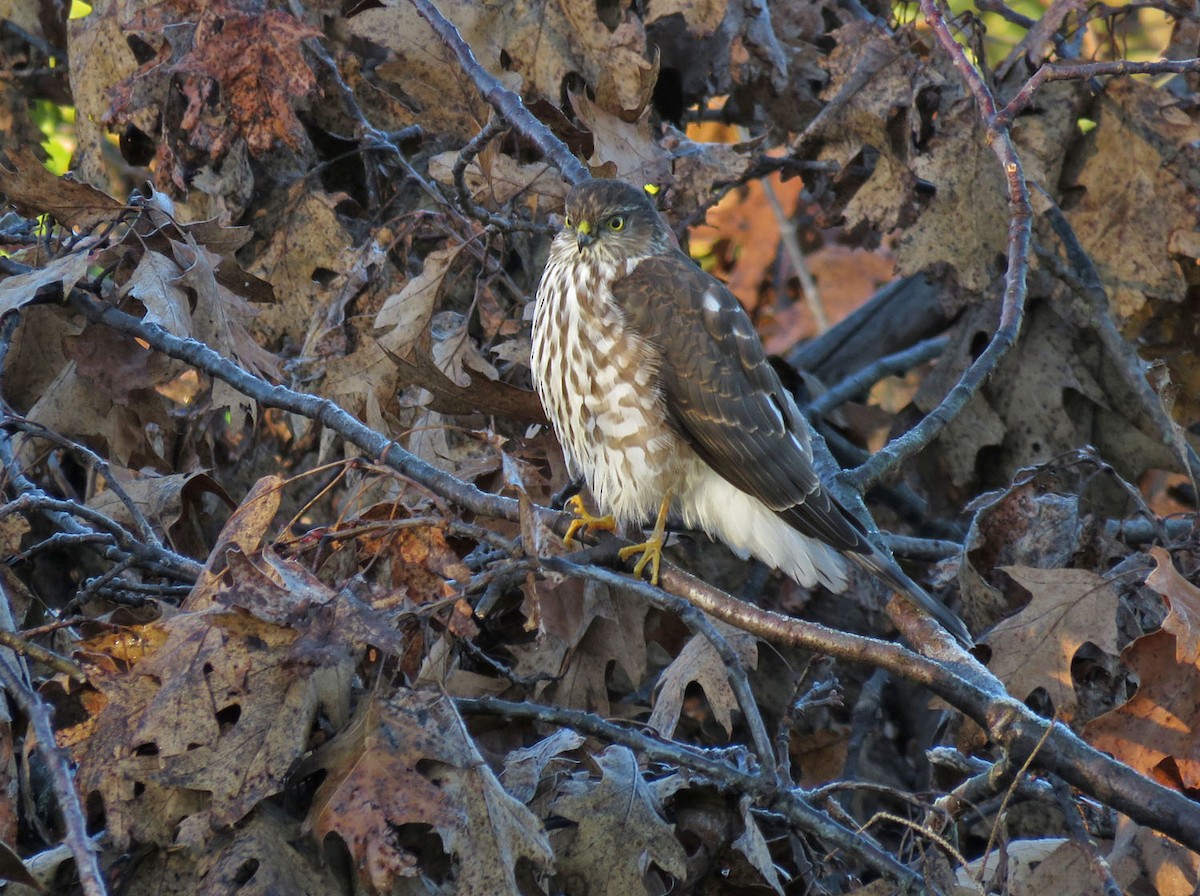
651	548
651	552
584	520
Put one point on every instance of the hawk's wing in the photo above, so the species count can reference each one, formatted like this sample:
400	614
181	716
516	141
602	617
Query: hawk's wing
723	394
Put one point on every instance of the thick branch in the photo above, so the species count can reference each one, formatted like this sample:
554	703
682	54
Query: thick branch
953	675
508	104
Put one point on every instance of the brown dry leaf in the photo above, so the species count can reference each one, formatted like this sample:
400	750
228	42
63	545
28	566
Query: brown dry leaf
1031	411
362	382
35	191
479	394
406	315
819	757
416	561
700	169
1142	855
543	41
598	627
372	786
409	761
12	869
498	832
333	625
120	368
13	529
1026	524
1067	871
100	57
966	221
18	290
155	283
453	349
161	499
702	17
620	830
1034	868
881	90
699	662
524	769
240	72
1143	145
209	723
1183	598
262	856
873	84
72	405
494	179
244	530
434	93
753	845
1156	727
1034	648
307	242
622	149
220	322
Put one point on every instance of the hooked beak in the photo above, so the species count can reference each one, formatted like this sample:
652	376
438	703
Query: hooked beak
583	235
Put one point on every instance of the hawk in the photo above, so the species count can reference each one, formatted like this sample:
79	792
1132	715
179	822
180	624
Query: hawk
662	396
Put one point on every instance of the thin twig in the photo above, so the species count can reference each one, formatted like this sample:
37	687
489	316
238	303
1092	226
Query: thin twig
700	624
791	245
508	104
62	778
1004	118
861	381
791	803
142	525
495	127
1012	307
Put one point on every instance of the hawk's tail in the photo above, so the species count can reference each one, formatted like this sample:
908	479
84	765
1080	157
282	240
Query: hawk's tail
886	570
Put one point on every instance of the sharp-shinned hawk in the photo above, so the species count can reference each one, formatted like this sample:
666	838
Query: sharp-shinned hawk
662	396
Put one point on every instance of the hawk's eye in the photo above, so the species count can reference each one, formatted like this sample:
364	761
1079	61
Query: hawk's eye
567	221
616	222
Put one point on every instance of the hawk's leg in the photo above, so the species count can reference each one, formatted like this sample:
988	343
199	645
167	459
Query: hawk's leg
559	499
651	548
584	520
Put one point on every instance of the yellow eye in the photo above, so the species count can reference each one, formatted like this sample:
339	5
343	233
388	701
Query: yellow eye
616	222
567	220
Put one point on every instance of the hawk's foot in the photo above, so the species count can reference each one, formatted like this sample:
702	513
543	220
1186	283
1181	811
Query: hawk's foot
651	551
651	548
584	520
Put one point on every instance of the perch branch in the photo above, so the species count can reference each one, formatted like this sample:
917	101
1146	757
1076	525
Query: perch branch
954	675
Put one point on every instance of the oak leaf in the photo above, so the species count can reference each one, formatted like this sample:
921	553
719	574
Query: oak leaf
199	731
1035	647
700	662
409	761
1156	728
620	830
1183	598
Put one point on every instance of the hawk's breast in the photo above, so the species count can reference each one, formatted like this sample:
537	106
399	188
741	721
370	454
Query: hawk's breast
598	381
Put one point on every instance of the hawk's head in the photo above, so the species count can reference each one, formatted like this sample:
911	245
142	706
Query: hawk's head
611	219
